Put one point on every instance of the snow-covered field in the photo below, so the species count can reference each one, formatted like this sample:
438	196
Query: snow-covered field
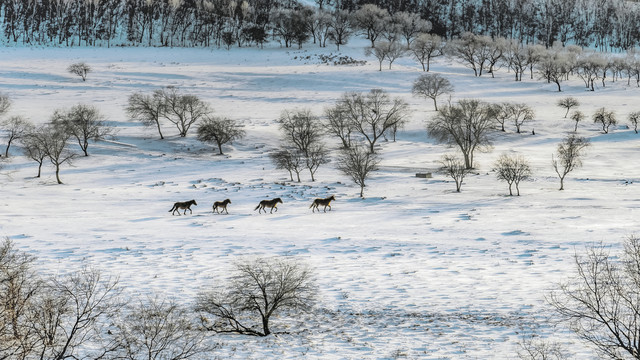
414	270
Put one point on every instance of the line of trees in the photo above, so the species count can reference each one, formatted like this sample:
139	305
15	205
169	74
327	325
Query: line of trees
608	24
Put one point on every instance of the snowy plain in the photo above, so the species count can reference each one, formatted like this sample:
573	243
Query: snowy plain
414	270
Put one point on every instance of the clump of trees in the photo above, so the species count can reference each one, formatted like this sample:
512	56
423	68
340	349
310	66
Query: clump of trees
170	104
82	122
371	115
605	119
512	169
302	145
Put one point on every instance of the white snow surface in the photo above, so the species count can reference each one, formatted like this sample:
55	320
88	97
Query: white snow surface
414	270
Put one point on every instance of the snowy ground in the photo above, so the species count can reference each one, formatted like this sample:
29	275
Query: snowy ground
415	270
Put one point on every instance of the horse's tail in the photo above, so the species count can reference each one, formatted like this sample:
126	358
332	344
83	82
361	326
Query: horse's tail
173	208
257	207
312	204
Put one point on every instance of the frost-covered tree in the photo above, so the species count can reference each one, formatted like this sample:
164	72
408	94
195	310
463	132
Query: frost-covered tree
33	147
371	20
53	140
554	66
589	68
385	50
425	47
409	25
472	50
431	86
339	123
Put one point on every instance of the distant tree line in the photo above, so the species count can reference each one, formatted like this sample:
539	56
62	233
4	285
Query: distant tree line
605	24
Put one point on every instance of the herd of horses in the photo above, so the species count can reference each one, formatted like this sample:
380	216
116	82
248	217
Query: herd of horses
220	206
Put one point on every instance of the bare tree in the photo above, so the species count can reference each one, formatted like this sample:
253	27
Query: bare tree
426	47
81	69
513	169
568	103
373	114
71	310
16	128
19	285
316	156
183	110
568	156
454	167
33	147
520	113
387	50
338	123
301	128
605	119
501	113
532	347
601	301
466	125
219	130
84	123
5	104
290	159
634	117
148	109
431	86
54	144
577	116
158	329
259	290
358	164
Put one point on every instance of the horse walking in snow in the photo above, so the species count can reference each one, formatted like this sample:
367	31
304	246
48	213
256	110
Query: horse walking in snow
220	206
273	203
326	202
182	205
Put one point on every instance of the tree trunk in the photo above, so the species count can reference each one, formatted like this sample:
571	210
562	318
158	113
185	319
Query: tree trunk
58	174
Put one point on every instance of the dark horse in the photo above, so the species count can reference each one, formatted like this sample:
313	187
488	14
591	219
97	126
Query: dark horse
222	205
182	205
324	202
268	203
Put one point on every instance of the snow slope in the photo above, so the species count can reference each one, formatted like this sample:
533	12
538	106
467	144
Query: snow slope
415	270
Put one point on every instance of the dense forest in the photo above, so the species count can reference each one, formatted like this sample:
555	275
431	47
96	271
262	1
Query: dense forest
603	24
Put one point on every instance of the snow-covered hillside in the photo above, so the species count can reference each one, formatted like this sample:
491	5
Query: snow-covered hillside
414	269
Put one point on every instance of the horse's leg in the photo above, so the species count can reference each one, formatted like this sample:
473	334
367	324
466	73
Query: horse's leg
225	209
